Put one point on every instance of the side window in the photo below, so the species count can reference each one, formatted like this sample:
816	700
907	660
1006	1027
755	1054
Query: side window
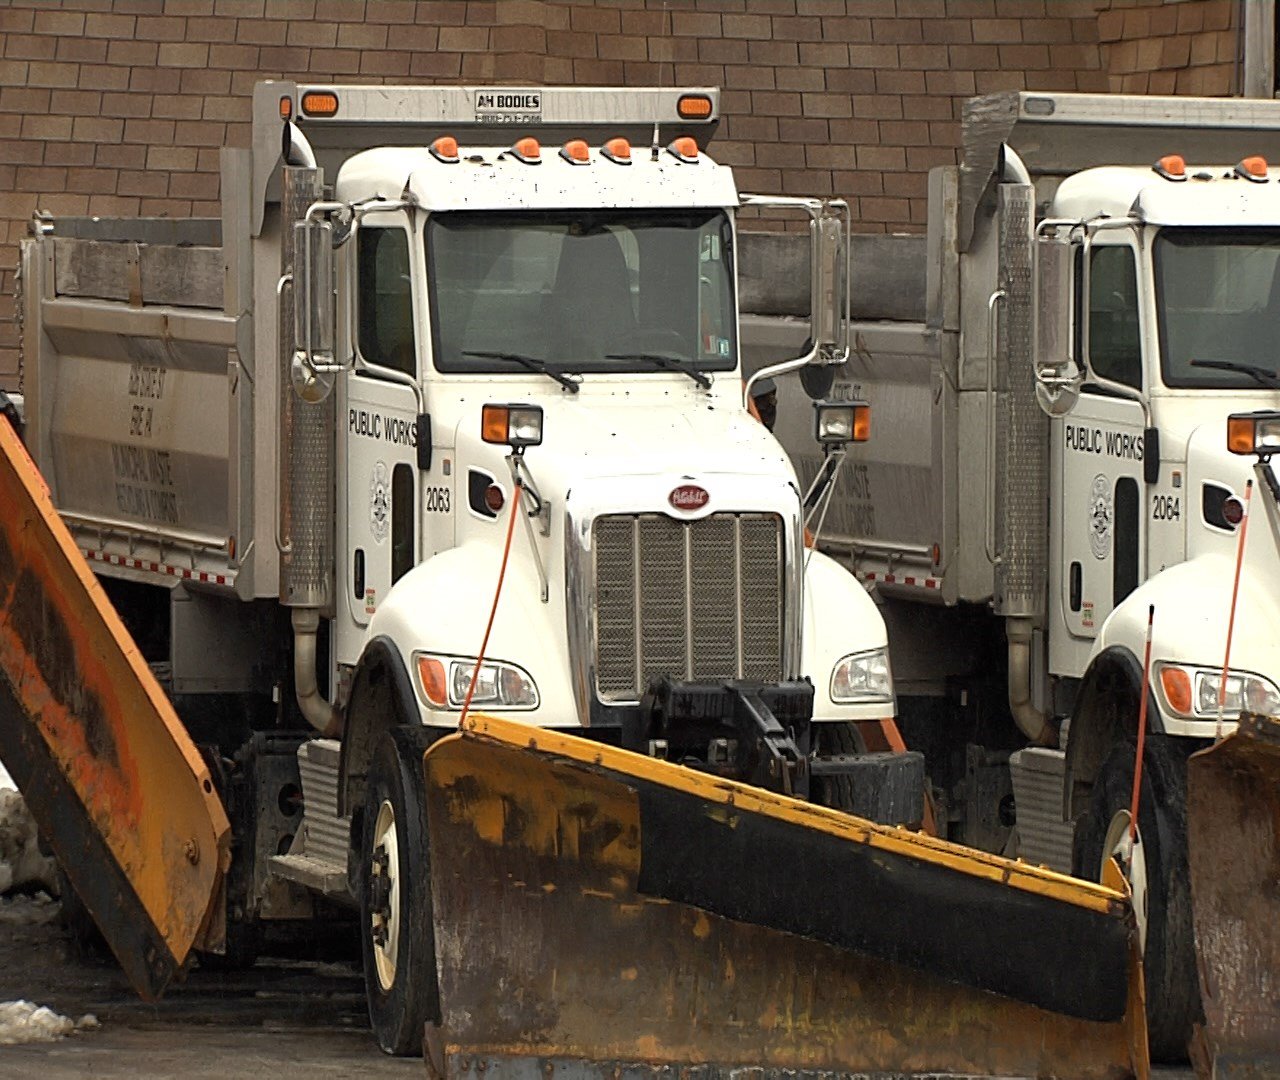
385	298
1115	343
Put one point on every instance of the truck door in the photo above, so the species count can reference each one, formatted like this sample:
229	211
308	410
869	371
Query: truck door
1099	478
382	486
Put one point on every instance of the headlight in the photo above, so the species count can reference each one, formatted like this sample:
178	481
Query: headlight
1192	692
443	682
863	676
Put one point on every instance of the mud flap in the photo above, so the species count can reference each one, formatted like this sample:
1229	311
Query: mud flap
104	764
1233	818
601	913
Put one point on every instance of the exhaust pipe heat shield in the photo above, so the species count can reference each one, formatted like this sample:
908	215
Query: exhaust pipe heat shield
601	913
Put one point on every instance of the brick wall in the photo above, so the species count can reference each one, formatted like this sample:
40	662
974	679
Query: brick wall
119	106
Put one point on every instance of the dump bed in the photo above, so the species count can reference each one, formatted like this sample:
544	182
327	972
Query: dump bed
139	379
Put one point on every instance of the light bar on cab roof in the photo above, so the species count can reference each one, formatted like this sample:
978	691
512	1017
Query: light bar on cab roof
1253	168
1171	167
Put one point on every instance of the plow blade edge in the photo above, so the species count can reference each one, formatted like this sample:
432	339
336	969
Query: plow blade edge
1233	847
103	762
600	913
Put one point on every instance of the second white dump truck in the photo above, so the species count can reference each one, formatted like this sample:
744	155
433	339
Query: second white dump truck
1051	372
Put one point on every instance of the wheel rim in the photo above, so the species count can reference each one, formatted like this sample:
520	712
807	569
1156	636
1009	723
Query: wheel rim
384	895
1127	850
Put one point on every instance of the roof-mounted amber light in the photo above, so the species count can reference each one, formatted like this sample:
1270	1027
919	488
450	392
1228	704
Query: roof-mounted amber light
1253	168
445	149
618	151
320	103
575	152
684	149
694	107
1171	167
286	107
527	151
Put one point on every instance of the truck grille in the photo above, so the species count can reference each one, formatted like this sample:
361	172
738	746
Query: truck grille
696	600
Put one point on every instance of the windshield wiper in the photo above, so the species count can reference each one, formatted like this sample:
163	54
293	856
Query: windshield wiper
664	360
1264	375
530	362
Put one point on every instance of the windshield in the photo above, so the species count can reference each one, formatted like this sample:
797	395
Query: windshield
575	289
1218	292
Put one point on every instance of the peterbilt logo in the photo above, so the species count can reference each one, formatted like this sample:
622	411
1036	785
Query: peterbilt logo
688	497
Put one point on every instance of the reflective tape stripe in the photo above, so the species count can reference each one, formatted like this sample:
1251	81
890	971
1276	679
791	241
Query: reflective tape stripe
158	568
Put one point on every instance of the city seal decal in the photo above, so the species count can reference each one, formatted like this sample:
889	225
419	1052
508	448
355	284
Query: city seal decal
1101	515
380	502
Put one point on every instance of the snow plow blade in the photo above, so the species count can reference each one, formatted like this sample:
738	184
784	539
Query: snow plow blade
104	764
1233	818
599	913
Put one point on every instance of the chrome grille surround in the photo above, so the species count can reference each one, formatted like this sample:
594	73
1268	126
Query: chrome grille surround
691	600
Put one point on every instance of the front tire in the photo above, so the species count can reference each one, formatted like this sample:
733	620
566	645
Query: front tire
395	895
1168	961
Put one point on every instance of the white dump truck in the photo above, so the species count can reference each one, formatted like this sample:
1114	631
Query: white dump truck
298	446
1051	373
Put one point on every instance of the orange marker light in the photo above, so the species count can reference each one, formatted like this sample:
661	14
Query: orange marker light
286	108
445	149
1240	434
684	148
1171	167
1253	168
861	423
618	151
527	151
1176	684
494	423
694	107
575	152
431	675
320	103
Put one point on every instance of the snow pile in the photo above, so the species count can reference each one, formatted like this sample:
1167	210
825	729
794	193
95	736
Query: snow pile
21	864
25	1022
6	781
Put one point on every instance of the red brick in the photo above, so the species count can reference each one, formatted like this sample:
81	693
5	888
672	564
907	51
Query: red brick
337	62
741	77
97	129
1024	57
193	185
286	58
851	80
112	205
439	65
172	158
68	153
45	128
82	49
690	24
271	32
806	79
997	30
839	28
776	104
385	63
873	56
464	38
176	107
877	106
123	156
234	57
761	27
990	82
112	27
896	31
40	178
183	54
132	53
600	21
395	12
773	53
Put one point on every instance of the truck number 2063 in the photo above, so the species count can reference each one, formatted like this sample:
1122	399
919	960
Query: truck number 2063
1166	508
437	500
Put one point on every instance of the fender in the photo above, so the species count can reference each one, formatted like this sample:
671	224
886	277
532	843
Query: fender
1106	712
839	619
381	698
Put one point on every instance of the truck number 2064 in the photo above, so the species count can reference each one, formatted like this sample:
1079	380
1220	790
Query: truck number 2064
1166	508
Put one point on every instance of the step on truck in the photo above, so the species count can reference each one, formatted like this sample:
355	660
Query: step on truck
451	582
1074	384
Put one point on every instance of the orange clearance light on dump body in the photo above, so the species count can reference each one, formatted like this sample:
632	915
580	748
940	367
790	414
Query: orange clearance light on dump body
1171	167
527	151
1176	684
286	108
618	151
693	107
575	152
320	103
1253	168
445	149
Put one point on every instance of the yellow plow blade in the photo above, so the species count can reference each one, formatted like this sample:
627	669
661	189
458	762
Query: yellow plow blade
1233	848
103	762
601	913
